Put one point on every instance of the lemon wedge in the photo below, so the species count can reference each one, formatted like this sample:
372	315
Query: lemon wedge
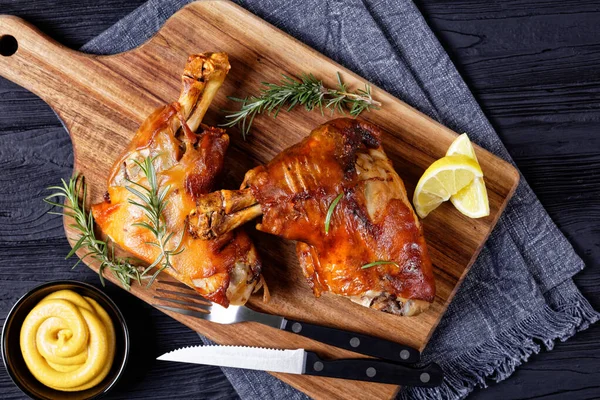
443	179
462	146
472	200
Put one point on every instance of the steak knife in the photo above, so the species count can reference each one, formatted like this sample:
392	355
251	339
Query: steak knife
305	362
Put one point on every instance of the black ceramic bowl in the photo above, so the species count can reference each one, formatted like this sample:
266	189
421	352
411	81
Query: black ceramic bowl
11	350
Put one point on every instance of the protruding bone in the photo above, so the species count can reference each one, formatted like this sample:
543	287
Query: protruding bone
220	212
203	76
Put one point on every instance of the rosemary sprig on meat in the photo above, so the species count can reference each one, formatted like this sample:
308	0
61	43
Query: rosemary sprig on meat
152	200
372	264
307	91
121	268
330	211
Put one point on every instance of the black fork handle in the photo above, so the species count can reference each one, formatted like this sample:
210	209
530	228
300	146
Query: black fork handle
357	342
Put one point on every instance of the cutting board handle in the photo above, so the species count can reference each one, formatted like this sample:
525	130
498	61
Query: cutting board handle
77	86
33	60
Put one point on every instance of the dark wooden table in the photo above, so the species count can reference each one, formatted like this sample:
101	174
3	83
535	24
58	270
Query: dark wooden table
533	65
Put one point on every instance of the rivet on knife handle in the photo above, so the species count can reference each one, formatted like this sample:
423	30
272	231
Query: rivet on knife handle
372	370
352	341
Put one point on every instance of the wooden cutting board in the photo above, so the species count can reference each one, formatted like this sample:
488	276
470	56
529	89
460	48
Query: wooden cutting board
103	99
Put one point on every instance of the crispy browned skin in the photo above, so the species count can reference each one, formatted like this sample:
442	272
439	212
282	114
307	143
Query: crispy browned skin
225	269
373	221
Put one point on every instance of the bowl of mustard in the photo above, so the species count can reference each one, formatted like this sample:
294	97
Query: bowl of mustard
65	340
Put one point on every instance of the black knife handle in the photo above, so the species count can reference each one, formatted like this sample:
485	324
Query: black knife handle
372	370
359	343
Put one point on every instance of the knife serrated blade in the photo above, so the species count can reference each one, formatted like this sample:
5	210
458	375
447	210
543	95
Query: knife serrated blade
262	359
305	362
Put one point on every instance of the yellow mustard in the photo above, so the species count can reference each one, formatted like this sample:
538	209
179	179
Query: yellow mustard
68	341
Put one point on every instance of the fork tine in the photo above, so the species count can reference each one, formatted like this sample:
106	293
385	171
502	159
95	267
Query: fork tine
205	307
176	284
180	285
190	295
191	313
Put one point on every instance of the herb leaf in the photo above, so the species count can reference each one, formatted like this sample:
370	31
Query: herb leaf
122	268
152	201
330	211
374	263
306	91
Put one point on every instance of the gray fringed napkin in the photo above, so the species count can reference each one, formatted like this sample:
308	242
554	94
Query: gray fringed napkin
519	295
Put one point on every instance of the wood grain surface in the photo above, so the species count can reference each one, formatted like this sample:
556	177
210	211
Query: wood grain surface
35	151
102	100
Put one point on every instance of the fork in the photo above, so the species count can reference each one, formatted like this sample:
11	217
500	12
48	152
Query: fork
357	342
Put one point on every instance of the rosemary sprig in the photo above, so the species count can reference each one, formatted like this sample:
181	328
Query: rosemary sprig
372	264
308	91
152	200
330	211
121	268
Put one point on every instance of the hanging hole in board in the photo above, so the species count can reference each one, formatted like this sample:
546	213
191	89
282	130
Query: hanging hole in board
8	45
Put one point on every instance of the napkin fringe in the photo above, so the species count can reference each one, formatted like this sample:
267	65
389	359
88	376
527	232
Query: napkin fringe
497	359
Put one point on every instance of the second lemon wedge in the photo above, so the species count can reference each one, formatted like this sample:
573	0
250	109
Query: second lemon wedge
443	179
472	200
